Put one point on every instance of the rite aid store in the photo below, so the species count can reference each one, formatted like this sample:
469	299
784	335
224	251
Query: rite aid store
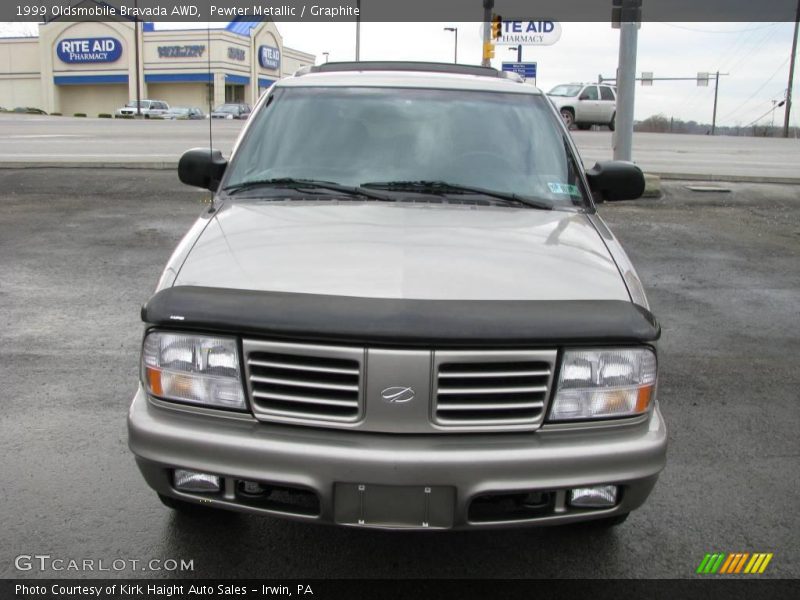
90	67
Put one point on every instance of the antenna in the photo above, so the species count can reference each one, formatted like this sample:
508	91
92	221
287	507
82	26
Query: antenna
210	90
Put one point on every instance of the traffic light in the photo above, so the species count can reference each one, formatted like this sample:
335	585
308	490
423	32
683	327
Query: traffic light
488	50
626	11
497	27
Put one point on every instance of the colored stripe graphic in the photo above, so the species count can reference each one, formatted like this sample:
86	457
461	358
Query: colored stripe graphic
723	563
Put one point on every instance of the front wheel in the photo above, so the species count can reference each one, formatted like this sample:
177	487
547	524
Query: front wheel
613	123
568	116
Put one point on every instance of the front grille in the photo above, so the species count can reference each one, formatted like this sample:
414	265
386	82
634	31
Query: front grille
490	390
301	382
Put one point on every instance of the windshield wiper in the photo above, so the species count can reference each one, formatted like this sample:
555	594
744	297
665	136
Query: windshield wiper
443	187
290	182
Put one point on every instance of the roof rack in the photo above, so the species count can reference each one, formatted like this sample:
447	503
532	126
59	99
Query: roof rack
427	67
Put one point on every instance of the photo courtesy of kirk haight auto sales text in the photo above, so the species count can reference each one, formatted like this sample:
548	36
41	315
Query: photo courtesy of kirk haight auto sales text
165	591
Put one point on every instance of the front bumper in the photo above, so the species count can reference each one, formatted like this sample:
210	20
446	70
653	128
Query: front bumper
469	465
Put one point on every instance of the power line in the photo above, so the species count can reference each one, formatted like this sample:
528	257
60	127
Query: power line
773	109
742	43
753	95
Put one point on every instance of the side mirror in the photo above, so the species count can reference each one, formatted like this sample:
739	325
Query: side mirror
616	180
202	167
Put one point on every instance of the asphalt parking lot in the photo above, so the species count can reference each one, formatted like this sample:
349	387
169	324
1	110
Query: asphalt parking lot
82	250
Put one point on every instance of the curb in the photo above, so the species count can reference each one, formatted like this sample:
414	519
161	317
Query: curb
726	178
652	177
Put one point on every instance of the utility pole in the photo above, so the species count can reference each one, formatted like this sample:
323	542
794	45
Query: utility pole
791	74
716	94
488	5
630	16
358	31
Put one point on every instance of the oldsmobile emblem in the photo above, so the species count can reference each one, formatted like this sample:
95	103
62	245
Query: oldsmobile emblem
397	395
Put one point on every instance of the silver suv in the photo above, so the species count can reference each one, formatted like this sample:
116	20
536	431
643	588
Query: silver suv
402	310
585	104
147	108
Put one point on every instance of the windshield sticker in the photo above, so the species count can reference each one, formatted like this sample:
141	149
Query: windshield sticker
564	188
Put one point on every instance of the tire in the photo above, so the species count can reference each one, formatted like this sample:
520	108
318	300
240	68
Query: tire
613	123
569	117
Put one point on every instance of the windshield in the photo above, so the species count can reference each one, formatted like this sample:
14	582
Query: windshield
179	111
229	108
509	143
142	104
565	90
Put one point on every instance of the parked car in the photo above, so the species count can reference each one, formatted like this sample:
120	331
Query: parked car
584	105
231	111
407	316
181	113
29	110
148	108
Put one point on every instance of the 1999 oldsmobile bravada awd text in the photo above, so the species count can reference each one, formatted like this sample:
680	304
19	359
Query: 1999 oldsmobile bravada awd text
402	311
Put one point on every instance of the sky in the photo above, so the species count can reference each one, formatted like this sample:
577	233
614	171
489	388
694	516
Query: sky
756	56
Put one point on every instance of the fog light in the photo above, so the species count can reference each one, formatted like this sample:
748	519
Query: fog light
599	496
192	481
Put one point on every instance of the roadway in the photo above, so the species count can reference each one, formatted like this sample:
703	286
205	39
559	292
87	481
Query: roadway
66	141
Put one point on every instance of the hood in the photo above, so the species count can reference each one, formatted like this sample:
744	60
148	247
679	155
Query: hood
376	250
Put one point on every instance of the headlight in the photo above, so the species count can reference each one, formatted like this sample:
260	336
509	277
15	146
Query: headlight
595	384
193	368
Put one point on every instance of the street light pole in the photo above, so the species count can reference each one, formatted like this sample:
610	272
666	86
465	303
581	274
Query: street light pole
455	51
518	50
326	54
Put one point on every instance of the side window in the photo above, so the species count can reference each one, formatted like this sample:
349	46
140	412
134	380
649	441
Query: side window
590	93
606	93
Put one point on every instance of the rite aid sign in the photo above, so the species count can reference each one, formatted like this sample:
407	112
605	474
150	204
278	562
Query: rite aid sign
269	57
530	33
89	50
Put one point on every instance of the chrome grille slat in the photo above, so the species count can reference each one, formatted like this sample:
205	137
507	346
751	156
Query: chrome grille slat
493	390
304	383
458	374
301	367
508	405
305	399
